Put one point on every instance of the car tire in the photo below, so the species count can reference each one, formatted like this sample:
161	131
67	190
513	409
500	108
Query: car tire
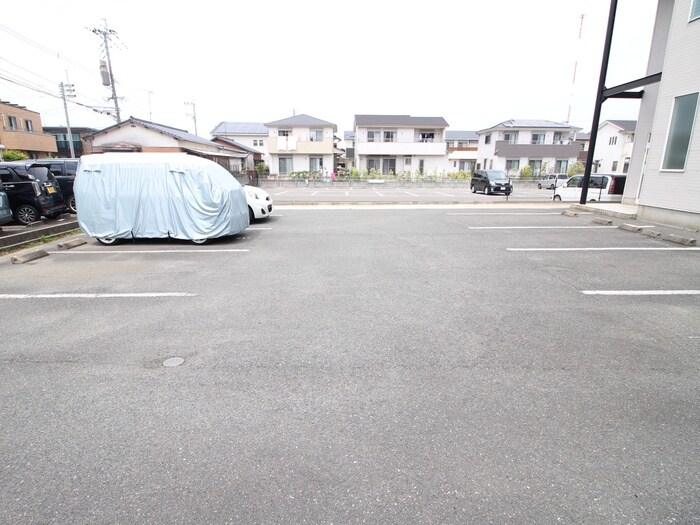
557	197
71	204
539	186
507	193
487	190
251	215
200	241
108	241
26	214
473	188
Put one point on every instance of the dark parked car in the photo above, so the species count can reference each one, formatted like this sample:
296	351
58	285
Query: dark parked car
32	190
491	181
64	171
5	209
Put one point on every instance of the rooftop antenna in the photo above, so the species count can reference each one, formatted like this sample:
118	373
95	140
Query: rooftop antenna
573	80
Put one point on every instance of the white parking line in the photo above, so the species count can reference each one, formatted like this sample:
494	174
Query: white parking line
411	194
640	292
608	249
257	228
95	295
446	194
108	251
380	194
541	227
505	213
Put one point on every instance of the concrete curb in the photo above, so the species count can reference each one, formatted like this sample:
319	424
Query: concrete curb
630	228
27	257
604	222
685	241
71	244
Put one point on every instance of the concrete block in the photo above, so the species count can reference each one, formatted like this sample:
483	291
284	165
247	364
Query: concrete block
650	233
601	220
27	257
678	239
630	228
71	244
569	213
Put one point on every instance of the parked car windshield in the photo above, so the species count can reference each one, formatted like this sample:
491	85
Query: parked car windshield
497	175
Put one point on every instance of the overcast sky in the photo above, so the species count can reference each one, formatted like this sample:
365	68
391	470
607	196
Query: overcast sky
475	63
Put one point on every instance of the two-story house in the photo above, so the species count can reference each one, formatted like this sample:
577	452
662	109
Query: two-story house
462	149
301	143
21	130
664	176
614	145
545	146
249	134
400	144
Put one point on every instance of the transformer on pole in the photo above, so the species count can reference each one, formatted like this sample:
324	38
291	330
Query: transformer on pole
106	68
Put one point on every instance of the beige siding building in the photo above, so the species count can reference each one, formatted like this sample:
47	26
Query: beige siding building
22	131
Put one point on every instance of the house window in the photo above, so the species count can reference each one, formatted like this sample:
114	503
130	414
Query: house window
512	164
487	139
612	141
537	138
614	166
11	122
536	167
695	10
630	137
510	137
388	166
316	163
562	166
389	136
28	125
373	136
286	165
461	144
285	133
426	135
316	135
678	139
255	142
557	138
373	164
407	162
260	143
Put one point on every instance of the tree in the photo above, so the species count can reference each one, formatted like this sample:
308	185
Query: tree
13	154
575	169
526	172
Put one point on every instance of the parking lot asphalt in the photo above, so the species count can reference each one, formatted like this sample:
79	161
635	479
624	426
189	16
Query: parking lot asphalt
347	364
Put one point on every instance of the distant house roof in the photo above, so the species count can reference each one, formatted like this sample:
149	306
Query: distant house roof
534	124
302	121
349	135
583	136
461	135
400	120
240	128
235	144
176	133
624	125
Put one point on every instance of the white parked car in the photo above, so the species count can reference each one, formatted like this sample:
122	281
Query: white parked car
259	203
601	187
550	180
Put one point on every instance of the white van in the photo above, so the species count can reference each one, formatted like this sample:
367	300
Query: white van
601	187
157	195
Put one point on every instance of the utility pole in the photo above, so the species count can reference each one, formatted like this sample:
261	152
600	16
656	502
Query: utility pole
68	90
108	76
194	115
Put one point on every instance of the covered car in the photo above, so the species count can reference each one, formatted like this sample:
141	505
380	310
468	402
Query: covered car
157	195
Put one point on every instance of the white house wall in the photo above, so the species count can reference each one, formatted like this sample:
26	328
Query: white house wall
675	191
146	138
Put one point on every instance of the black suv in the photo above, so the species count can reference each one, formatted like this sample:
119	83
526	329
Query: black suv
491	181
64	171
32	190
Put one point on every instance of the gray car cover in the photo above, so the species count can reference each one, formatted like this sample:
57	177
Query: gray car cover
155	195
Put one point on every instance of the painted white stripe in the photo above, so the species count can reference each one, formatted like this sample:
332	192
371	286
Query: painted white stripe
95	295
314	193
257	228
282	192
641	292
380	194
411	194
446	194
541	227
609	249
108	251
506	213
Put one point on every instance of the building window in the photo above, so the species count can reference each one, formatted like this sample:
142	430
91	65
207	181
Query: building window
372	164
630	137
512	164
286	165
407	162
612	141
678	139
426	135
461	144
537	138
557	138
389	136
373	136
255	142
510	137
487	139
28	125
316	163
536	167
695	10
562	166
614	166
316	135
11	122
260	143
285	133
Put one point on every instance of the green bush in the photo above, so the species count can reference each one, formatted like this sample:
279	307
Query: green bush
526	172
13	154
